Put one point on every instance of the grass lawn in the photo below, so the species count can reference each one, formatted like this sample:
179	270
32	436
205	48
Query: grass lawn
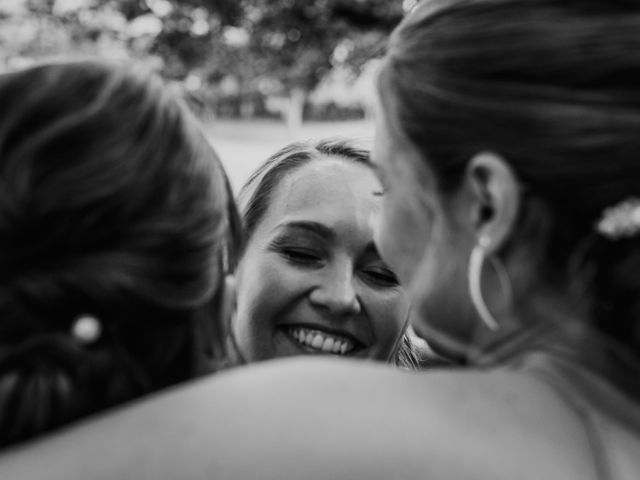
243	145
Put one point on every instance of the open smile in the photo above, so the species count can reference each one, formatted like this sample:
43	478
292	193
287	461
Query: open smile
320	341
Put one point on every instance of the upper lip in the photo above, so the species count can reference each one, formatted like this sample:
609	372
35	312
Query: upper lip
359	339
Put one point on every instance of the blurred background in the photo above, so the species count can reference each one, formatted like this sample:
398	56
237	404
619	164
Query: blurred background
259	73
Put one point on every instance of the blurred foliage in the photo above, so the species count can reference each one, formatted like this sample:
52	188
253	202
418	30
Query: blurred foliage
293	44
240	48
297	39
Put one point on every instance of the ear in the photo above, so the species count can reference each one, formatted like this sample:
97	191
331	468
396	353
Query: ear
495	194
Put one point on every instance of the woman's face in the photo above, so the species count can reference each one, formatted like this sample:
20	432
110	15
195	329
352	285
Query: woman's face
311	280
423	239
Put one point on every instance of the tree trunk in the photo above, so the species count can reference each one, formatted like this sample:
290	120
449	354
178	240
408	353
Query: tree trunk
294	113
247	108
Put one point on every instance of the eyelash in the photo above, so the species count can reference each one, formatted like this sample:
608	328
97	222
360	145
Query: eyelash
382	277
379	276
300	256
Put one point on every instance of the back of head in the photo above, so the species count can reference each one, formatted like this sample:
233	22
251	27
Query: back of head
553	86
114	213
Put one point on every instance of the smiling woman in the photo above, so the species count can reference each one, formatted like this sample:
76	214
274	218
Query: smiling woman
311	280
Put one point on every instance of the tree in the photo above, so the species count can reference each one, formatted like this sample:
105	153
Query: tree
275	46
294	43
34	29
181	33
191	31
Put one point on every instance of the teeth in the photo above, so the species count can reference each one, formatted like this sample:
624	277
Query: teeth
321	341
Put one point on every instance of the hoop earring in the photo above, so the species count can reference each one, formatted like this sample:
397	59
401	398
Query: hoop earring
476	262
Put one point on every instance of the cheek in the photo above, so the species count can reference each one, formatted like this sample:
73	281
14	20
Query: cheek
263	289
440	297
402	238
389	313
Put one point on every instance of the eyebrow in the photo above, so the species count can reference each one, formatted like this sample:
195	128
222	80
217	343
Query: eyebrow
318	228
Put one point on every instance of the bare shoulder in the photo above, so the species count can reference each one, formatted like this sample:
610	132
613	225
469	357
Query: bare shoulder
321	419
436	424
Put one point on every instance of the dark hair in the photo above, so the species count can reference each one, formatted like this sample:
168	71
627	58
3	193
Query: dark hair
554	87
113	205
256	195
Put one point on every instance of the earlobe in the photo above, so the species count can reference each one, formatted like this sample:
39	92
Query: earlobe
496	191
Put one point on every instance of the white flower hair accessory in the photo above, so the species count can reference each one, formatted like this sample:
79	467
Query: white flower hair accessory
621	220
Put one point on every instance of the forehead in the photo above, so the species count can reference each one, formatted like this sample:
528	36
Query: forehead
326	189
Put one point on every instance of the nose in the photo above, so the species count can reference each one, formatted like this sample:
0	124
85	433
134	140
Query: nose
335	292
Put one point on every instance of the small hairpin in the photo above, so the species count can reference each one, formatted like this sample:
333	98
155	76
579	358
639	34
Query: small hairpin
86	329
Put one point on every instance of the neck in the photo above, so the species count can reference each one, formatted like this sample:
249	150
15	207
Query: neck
558	329
584	386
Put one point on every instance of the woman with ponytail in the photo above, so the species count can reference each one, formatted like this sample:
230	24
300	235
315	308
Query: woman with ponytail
117	228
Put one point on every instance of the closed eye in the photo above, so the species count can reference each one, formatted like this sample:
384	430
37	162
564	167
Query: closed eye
381	276
301	256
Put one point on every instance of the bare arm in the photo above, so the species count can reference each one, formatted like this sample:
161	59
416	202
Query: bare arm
308	419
